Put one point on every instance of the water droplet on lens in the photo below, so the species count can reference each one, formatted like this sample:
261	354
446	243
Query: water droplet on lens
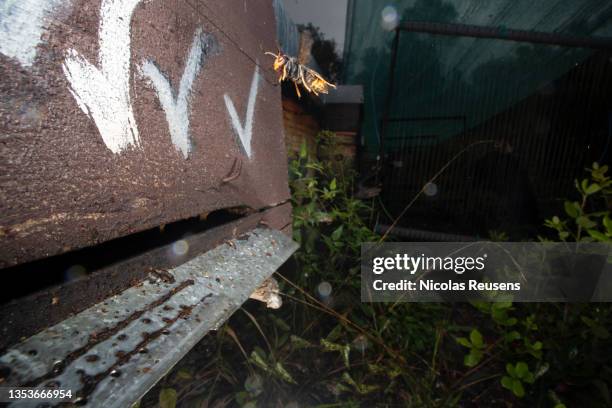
430	189
389	18
324	289
180	248
75	272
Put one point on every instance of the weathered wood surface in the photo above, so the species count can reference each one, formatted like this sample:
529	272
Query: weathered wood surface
120	115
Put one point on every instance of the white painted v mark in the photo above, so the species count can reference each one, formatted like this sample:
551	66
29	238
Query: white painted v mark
103	91
177	109
245	132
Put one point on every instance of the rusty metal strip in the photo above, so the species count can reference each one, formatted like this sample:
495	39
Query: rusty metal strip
26	316
112	353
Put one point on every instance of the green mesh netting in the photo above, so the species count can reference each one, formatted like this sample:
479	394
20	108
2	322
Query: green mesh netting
467	79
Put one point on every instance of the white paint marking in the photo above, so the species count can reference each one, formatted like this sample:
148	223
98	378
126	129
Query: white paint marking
104	93
177	109
245	132
21	27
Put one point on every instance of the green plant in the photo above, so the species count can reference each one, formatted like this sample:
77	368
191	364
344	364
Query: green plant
586	214
328	222
517	375
476	346
335	351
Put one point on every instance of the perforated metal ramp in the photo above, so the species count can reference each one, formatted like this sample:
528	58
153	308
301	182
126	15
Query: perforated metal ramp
110	354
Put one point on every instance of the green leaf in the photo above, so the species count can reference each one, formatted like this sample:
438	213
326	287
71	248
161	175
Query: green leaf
501	305
360	388
476	339
337	233
329	346
299	343
259	361
529	378
571	209
346	351
517	388
280	323
335	333
324	217
607	222
183	374
513	335
332	184
282	373
597	235
303	150
348	379
338	388
366	389
242	397
584	184
394	372
472	358
585	222
530	323
592	189
464	342
510	370
521	369
167	398
507	382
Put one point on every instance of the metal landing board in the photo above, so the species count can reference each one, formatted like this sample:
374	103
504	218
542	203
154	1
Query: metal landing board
112	353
